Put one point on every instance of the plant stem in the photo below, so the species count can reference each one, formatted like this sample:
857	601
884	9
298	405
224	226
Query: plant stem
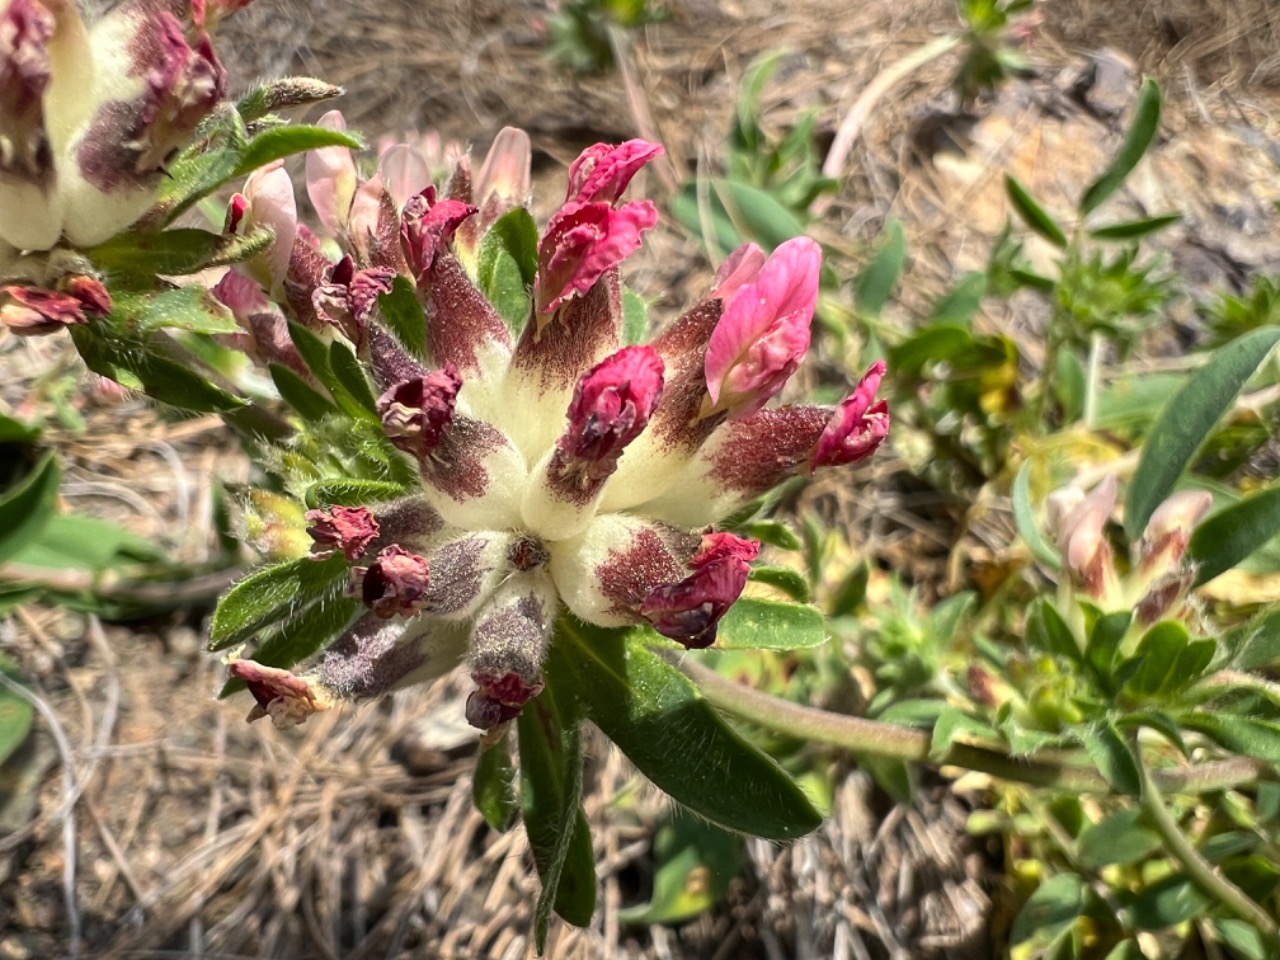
1065	771
1202	873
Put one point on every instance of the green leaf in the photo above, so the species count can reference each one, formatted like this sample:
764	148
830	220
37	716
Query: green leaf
950	724
351	381
493	785
1105	637
1133	229
175	253
403	314
266	596
653	712
1047	631
281	94
139	365
1244	939
1156	658
753	624
1069	385
695	863
16	712
15	431
1168	902
1244	735
1032	214
773	533
74	542
958	305
1186	421
1139	137
506	265
27	507
309	404
1112	756
301	632
314	352
279	142
1260	645
851	592
190	308
1121	838
1025	519
790	581
1229	535
635	317
736	211
352	493
1051	909
876	281
550	796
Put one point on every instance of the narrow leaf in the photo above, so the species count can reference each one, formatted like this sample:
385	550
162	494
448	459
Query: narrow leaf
876	281
279	142
753	624
1186	421
1228	536
1032	214
1114	759
791	582
1137	140
550	766
27	508
1048	631
309	403
1025	519
1244	735
493	785
655	714
1133	229
16	712
268	595
403	314
1121	838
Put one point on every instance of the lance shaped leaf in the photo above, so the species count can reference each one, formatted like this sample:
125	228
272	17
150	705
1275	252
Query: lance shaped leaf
657	717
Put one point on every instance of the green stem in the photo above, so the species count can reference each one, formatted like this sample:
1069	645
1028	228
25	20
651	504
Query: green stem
1064	771
1202	873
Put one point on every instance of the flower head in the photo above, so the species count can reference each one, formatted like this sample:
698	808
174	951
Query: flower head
564	471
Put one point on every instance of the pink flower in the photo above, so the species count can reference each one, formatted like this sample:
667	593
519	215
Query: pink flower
416	412
764	332
690	609
33	311
1080	521
332	178
395	583
582	242
857	427
287	699
602	171
345	530
268	202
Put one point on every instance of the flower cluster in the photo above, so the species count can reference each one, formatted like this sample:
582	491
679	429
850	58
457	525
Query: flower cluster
562	470
1159	577
89	117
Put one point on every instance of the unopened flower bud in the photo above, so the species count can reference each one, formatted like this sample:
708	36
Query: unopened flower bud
1080	523
764	332
345	530
416	412
394	584
857	427
611	405
1164	542
508	646
690	609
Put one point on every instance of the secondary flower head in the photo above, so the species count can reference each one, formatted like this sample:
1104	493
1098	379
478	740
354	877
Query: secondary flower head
562	471
90	116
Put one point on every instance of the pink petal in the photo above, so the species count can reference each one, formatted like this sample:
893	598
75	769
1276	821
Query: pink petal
602	171
404	172
583	240
857	427
741	266
331	178
269	191
764	332
506	168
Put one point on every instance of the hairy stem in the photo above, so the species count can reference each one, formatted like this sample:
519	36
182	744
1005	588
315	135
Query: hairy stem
1202	873
1067	771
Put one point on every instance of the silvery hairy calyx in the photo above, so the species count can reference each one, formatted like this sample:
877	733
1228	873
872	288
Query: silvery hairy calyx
90	114
561	472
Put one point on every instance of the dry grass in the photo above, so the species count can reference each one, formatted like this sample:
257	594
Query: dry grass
165	827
